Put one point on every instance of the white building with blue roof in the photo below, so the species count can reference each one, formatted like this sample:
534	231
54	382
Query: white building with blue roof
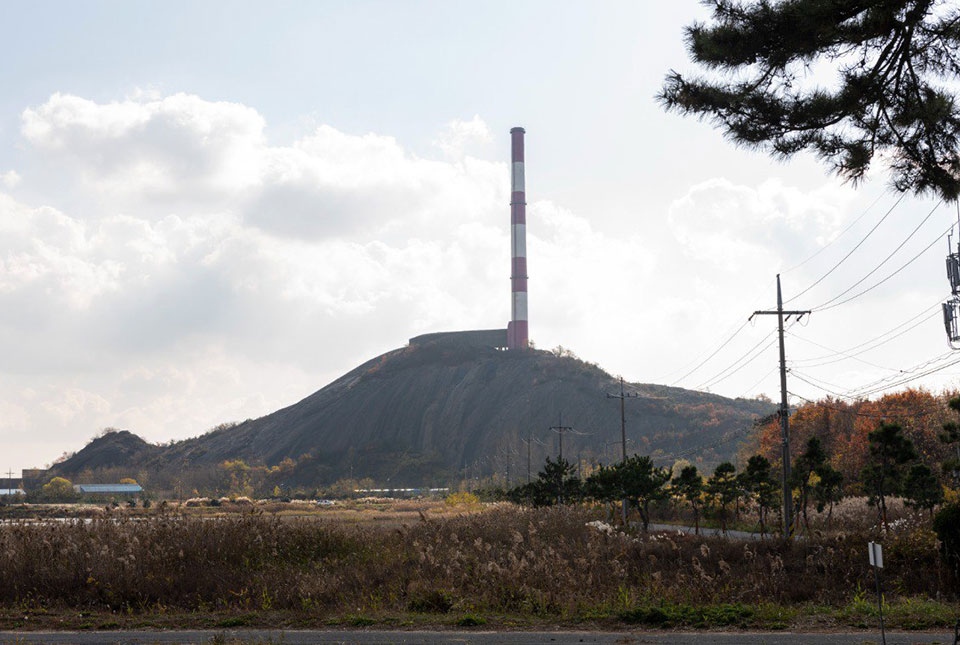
108	489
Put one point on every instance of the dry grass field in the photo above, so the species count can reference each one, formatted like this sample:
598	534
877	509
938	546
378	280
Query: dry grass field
364	511
416	563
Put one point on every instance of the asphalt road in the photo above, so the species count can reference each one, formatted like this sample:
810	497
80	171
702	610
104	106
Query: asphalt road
675	528
480	637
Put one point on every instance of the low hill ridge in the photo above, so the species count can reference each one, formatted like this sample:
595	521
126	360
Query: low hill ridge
426	412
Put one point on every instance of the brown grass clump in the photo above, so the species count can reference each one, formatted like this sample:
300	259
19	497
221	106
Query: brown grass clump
541	562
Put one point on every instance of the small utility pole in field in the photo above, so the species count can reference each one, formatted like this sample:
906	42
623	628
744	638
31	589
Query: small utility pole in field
623	432
559	428
529	442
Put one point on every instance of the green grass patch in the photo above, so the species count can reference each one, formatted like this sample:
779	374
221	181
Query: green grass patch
470	620
360	621
681	615
919	613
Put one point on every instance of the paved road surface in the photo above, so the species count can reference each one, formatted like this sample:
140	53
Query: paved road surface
481	638
675	528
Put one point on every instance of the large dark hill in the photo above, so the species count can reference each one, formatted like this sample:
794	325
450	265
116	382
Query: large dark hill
421	414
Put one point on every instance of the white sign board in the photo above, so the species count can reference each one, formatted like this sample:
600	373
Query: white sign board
876	554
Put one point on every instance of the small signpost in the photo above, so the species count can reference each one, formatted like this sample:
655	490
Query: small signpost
876	561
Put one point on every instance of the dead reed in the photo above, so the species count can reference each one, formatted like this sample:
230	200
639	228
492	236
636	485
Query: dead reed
541	562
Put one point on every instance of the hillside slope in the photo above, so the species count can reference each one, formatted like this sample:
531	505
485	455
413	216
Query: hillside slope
420	414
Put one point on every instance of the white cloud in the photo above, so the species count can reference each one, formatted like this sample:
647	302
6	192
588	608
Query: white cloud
738	227
10	179
199	273
162	148
458	136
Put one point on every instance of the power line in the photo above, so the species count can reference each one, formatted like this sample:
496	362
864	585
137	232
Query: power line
912	370
715	352
716	378
849	352
759	381
809	380
912	378
727	439
742	326
855	393
693	361
752	359
883	384
825	306
865	362
849	253
837	238
723	375
886	259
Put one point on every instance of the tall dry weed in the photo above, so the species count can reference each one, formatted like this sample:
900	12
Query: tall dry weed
543	561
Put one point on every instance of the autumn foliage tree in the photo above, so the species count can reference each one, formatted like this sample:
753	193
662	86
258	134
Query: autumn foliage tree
59	489
951	438
843	428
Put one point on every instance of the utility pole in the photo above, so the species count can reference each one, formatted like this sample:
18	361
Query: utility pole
529	443
507	450
623	433
623	417
784	409
559	428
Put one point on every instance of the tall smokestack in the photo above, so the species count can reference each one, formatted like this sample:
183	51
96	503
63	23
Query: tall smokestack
517	329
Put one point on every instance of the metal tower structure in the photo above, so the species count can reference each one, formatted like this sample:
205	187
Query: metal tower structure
951	308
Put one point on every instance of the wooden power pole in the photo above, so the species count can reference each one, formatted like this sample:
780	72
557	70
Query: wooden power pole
623	434
559	428
784	408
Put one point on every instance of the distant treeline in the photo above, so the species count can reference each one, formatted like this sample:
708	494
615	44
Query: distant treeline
894	464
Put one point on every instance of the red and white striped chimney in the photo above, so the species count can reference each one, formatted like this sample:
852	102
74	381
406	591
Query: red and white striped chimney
517	329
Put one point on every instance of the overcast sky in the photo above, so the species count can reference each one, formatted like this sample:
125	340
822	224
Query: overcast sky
210	210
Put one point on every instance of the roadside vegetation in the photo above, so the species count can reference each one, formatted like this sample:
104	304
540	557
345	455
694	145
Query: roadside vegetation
750	499
504	564
554	551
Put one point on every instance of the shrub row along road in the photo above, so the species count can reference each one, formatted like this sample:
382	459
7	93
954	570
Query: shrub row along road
485	638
